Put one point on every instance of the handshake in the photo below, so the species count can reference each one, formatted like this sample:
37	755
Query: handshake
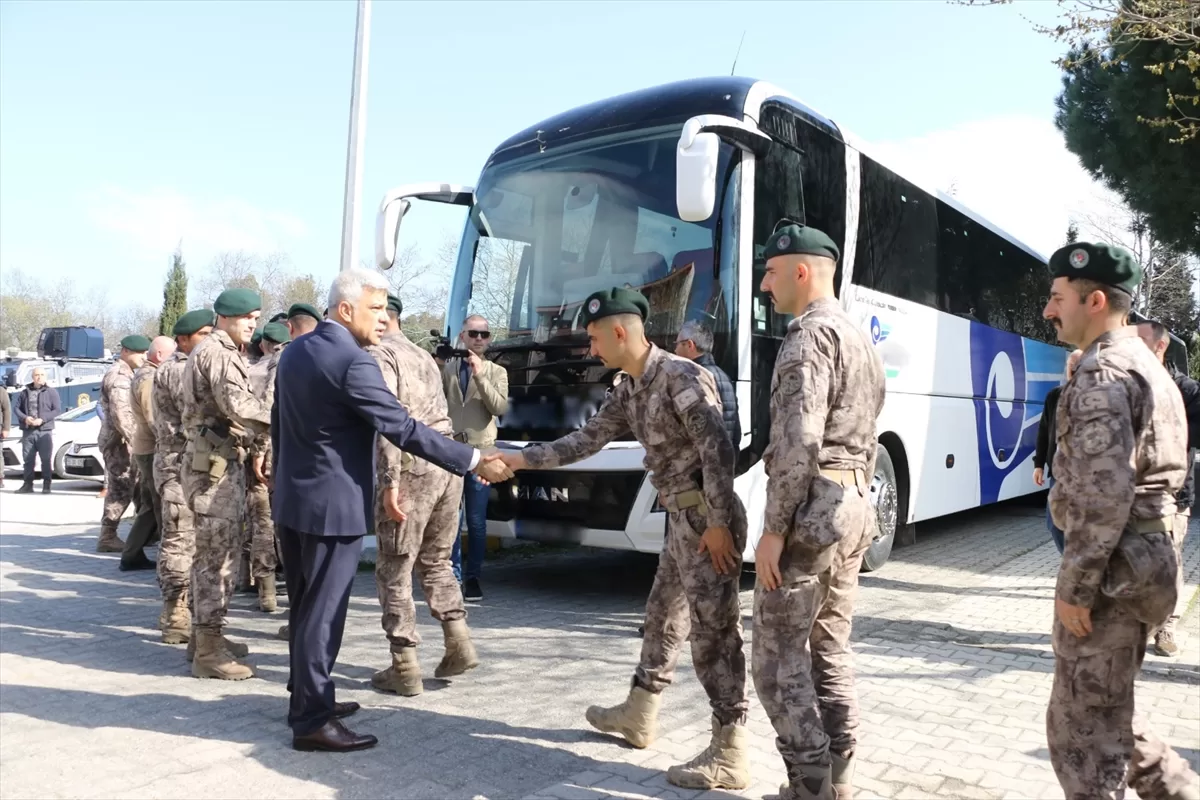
496	466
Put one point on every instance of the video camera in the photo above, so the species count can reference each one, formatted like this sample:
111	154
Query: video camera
444	350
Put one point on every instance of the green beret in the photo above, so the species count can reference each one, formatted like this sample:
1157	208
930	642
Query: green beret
282	315
237	302
136	342
394	304
793	239
276	332
193	321
256	337
1102	263
303	309
611	302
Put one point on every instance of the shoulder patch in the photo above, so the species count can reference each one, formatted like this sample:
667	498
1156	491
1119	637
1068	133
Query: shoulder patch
790	380
686	399
1095	437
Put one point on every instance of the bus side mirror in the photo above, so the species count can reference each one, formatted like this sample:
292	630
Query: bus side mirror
387	232
696	158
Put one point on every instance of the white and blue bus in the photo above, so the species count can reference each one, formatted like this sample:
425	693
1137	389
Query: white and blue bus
674	191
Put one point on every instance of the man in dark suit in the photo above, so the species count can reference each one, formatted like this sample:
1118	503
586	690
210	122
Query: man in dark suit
330	399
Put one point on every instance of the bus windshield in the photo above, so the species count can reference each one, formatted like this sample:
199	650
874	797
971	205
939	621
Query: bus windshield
549	229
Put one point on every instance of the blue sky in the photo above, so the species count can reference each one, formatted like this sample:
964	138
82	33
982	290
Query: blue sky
126	126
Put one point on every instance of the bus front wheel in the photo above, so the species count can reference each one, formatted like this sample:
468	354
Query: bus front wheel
885	497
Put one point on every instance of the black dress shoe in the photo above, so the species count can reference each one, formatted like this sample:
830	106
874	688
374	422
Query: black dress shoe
333	737
140	562
342	710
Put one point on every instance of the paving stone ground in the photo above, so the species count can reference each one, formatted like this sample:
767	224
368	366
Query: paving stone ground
951	636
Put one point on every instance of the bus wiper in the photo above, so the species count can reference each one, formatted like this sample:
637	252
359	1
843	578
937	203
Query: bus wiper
581	362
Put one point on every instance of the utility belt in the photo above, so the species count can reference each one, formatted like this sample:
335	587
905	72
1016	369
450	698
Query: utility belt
689	498
213	451
461	436
847	477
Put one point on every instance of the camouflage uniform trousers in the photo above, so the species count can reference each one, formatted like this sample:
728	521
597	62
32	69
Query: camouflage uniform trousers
424	541
801	659
119	478
1178	534
689	598
263	559
176	550
219	539
1090	720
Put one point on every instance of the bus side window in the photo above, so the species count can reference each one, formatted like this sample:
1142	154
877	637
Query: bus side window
897	237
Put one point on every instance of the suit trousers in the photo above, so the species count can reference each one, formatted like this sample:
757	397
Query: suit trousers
319	571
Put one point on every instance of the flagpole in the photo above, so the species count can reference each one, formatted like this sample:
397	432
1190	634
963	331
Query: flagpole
354	146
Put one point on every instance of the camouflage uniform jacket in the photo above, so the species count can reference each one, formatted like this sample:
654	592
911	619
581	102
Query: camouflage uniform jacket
216	392
262	384
117	418
142	443
674	410
826	395
166	400
417	383
1122	456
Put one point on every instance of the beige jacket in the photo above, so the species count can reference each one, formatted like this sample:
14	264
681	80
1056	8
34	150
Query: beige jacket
474	418
143	442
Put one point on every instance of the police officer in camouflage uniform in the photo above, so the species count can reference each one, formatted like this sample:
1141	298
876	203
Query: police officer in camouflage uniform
221	418
263	559
826	394
116	432
672	406
416	522
178	542
1121	458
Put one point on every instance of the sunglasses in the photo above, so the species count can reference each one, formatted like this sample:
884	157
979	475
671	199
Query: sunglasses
479	334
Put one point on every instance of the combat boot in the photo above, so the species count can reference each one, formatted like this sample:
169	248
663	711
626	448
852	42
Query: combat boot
214	661
403	677
283	633
266	593
109	542
636	719
460	650
841	775
175	622
802	783
235	649
724	764
1164	643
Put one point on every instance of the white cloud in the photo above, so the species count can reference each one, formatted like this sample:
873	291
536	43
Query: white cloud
153	222
1015	171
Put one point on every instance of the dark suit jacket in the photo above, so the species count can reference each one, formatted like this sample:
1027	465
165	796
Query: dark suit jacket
330	399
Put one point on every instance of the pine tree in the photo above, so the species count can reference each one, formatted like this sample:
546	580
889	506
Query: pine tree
174	295
1072	233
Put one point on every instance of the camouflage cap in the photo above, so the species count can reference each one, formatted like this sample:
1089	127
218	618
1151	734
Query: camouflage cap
394	304
1102	263
304	309
610	302
193	321
792	238
237	302
135	342
276	332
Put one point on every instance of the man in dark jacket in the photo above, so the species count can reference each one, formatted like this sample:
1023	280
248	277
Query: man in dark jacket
36	407
695	342
1047	436
1155	335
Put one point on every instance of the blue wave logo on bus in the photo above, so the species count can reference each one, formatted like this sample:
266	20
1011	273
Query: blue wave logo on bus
1010	378
879	331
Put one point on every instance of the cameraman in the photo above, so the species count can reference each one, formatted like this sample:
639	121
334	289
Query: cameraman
476	393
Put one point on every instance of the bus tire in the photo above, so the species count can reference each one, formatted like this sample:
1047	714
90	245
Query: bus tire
885	499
